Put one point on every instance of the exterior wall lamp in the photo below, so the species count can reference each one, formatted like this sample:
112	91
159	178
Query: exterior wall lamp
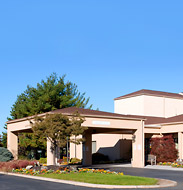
133	138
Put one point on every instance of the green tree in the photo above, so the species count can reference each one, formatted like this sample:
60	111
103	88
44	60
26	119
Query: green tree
3	138
50	94
58	128
1	141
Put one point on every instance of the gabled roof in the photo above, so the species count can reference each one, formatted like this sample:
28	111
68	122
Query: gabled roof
151	93
149	120
89	112
84	112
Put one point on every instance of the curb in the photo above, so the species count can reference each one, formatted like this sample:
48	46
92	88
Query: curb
161	182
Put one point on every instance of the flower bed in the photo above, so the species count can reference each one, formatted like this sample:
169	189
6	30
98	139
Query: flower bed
173	164
63	171
165	163
15	164
94	176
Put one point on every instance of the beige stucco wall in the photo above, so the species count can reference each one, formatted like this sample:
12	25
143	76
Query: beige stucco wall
162	106
138	147
114	145
111	123
154	106
149	106
76	151
18	126
173	107
131	105
12	135
108	144
172	128
151	130
106	124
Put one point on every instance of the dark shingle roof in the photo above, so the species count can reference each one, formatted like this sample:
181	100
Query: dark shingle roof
89	112
152	93
149	120
86	112
175	119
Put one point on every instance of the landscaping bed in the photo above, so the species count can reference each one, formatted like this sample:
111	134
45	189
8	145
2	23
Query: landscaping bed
74	173
16	164
172	164
95	176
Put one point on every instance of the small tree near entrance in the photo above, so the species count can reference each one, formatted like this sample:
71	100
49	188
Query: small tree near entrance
58	129
164	148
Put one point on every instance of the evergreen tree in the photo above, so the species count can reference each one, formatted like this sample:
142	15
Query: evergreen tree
3	138
1	141
50	94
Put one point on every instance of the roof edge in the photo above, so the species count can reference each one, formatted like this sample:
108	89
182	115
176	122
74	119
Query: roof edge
151	93
69	114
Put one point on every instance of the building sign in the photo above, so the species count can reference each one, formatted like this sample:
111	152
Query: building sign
101	123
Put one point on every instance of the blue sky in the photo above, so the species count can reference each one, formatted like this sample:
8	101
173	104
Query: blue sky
108	48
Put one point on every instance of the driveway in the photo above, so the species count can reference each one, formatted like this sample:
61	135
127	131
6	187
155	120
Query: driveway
19	183
175	175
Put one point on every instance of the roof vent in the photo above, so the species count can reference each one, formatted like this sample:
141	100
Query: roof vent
181	93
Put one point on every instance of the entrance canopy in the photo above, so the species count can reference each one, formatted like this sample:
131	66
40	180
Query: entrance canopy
96	122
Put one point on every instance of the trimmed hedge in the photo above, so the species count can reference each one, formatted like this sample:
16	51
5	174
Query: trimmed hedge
5	155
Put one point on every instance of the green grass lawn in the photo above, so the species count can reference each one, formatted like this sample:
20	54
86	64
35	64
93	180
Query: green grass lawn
97	178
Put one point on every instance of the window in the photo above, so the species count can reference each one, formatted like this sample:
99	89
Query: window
94	147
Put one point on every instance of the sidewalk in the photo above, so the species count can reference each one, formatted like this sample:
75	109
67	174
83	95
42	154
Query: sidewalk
158	167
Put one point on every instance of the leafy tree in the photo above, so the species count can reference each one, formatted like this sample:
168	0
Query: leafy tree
164	149
58	128
50	94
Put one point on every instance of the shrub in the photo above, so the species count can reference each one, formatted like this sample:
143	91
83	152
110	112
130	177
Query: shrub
60	161
75	161
43	160
164	149
5	155
63	160
15	164
99	157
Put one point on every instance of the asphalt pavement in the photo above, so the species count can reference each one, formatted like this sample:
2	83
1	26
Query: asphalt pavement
19	183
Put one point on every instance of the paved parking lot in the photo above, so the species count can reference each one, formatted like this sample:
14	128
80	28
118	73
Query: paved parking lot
175	175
